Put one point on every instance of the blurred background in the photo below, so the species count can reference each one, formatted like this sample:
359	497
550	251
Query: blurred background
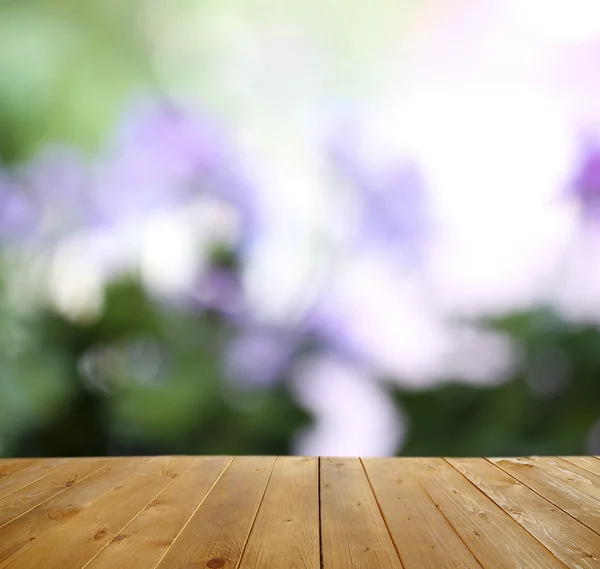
302	227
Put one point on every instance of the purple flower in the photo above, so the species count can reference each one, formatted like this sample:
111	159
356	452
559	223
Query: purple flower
585	185
163	156
393	202
256	358
184	141
160	156
219	290
58	180
57	173
389	193
18	212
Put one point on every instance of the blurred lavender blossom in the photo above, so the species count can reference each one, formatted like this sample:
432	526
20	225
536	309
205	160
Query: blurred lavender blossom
368	300
256	358
58	179
163	155
219	290
388	191
585	184
18	212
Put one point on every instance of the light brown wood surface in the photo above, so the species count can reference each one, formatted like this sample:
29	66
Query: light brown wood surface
28	497
570	474
29	475
353	531
492	536
422	534
8	467
144	541
299	513
589	463
82	537
552	487
36	524
216	534
569	540
289	511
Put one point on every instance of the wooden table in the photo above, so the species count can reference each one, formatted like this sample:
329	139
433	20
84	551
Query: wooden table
299	512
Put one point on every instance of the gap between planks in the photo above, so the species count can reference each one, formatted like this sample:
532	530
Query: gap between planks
228	512
380	510
545	495
499	510
129	522
193	514
320	513
567	556
256	513
454	534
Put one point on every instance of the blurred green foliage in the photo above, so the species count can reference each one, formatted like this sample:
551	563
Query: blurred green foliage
65	69
548	407
188	408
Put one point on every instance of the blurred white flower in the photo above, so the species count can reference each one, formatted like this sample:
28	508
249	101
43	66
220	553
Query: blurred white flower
354	415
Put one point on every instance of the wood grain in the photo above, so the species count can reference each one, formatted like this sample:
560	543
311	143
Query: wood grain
492	536
289	513
23	533
216	534
588	463
81	538
570	474
353	532
422	535
28	497
30	475
570	541
568	498
299	513
8	467
144	541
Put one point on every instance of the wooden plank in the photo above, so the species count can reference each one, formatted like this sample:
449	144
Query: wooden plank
81	538
570	541
568	498
353	532
422	535
19	502
30	475
261	512
492	536
144	541
588	463
23	533
288	518
216	534
570	474
12	465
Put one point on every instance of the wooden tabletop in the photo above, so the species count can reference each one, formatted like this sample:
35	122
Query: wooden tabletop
299	512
